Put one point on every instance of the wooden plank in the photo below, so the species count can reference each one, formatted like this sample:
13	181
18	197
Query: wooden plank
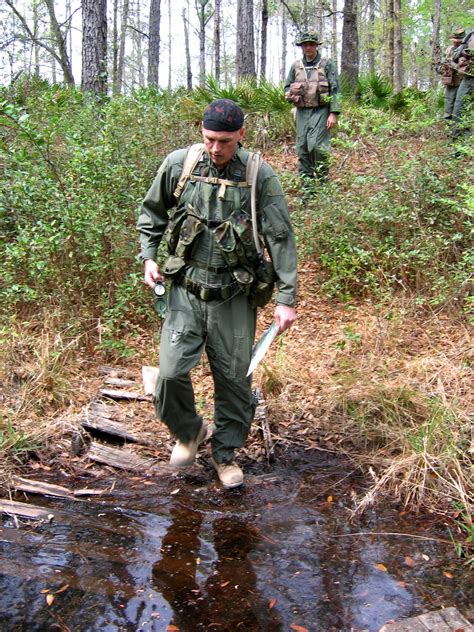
118	458
24	510
129	395
40	487
455	620
118	381
113	428
434	621
406	625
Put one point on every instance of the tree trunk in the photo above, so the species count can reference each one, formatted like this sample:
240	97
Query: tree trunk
436	49
371	38
245	53
388	39
154	42
397	47
263	53
122	44
350	48
217	39
94	46
204	13
140	64
169	45
115	86
189	72
61	44
334	32
284	43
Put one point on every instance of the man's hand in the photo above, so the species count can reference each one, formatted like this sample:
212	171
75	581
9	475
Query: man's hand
152	273
332	120
285	316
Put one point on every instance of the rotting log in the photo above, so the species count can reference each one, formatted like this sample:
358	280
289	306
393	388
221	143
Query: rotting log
94	421
117	381
118	458
40	487
129	395
445	620
25	510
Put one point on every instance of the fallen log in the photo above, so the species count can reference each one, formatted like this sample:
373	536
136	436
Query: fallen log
24	510
118	458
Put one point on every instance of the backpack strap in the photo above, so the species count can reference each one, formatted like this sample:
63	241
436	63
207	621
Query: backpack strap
253	166
192	158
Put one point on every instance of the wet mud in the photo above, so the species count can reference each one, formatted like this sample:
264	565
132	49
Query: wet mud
179	552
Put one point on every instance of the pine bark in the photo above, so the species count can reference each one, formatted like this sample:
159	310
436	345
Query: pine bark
350	47
264	35
245	53
94	46
154	43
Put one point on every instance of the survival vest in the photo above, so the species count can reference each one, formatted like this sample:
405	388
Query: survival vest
311	85
237	237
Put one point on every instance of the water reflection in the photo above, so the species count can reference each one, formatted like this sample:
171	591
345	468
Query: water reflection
228	599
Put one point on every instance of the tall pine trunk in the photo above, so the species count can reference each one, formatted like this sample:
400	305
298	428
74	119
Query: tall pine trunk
94	46
397	47
263	53
245	53
154	43
350	48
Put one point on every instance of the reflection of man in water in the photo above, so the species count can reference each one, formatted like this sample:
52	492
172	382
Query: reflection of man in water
229	600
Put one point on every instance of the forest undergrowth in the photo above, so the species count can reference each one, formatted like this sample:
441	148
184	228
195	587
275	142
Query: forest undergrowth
379	364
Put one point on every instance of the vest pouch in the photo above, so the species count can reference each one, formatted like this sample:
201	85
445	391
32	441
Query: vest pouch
190	229
323	90
171	234
262	290
173	267
244	279
225	239
447	80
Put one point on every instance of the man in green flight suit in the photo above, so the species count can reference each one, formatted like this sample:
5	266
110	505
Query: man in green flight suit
313	86
208	230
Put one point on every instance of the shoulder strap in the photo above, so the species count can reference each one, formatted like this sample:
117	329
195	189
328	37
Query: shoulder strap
253	165
192	158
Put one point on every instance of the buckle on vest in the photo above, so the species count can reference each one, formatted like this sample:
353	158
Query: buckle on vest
204	293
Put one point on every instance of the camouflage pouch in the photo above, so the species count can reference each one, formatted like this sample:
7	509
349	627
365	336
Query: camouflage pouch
171	235
190	229
244	279
173	267
225	239
262	289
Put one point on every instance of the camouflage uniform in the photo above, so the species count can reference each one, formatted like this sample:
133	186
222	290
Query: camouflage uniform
463	104
313	139
224	324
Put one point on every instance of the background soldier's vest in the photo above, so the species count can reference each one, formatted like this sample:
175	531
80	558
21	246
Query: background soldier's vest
311	84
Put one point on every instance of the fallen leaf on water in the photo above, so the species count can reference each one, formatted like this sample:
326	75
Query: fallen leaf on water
272	603
409	561
329	499
225	584
175	491
49	599
448	574
381	567
62	589
44	591
172	628
425	557
298	628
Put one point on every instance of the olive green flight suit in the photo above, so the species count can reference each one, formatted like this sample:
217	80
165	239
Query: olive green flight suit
313	139
223	326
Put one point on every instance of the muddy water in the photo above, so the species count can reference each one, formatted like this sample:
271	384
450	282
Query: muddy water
181	553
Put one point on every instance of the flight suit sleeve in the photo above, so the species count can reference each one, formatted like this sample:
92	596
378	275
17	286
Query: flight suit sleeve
279	237
334	87
153	216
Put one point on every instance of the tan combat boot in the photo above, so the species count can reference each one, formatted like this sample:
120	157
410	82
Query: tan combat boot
183	454
230	474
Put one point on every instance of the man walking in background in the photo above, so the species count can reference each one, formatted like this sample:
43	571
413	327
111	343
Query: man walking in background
313	86
450	78
203	211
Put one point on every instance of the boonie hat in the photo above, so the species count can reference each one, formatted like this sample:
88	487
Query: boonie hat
307	36
458	33
223	115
